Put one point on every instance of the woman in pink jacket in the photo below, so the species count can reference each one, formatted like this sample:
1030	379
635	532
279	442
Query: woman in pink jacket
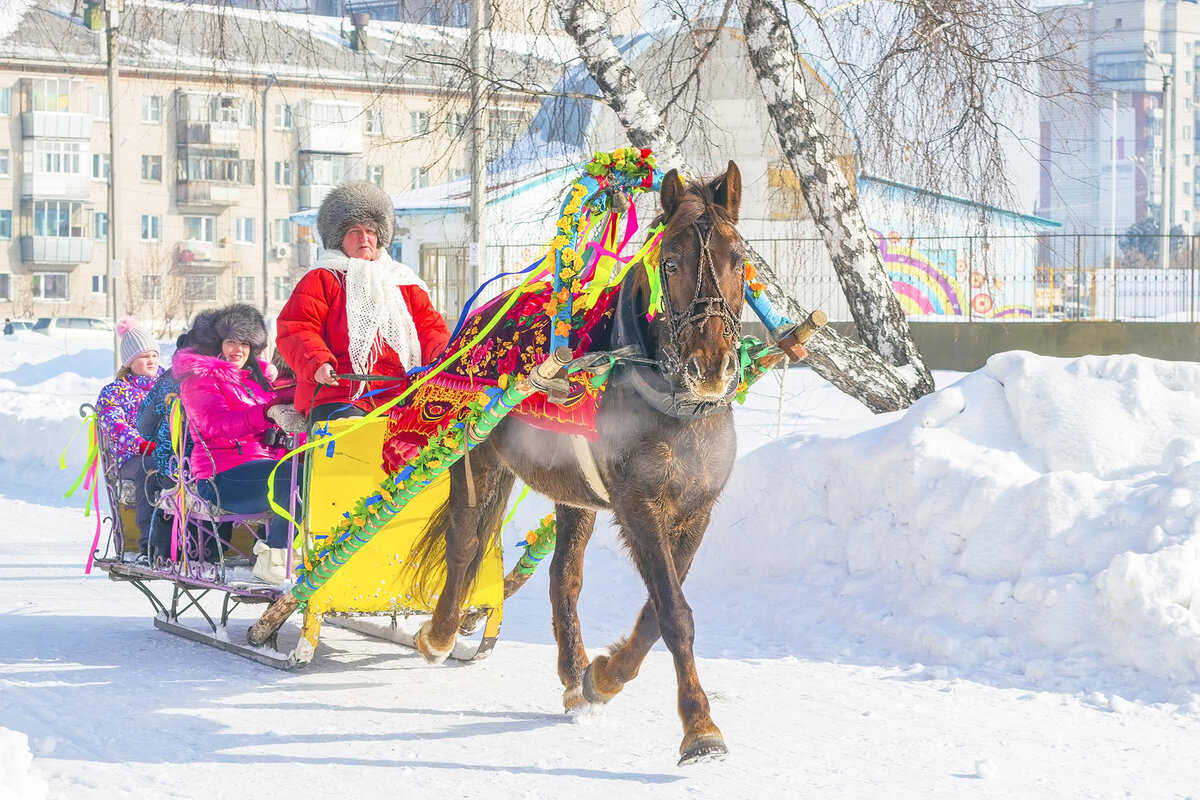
231	407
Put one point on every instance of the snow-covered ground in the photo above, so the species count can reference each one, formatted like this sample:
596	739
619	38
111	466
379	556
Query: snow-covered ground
991	595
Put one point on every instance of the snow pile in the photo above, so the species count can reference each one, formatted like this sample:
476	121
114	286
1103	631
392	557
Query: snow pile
18	778
1036	519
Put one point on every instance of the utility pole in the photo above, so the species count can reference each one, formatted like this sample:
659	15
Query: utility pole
112	29
1112	253
1168	134
263	122
476	247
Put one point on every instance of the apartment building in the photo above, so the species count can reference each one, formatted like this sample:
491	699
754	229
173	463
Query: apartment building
226	122
1103	155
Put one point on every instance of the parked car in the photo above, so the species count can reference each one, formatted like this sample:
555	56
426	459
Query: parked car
73	326
21	324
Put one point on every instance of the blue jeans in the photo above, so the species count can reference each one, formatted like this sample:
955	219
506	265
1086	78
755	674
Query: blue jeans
243	490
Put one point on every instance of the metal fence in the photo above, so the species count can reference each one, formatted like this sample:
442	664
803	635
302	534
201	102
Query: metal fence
1076	277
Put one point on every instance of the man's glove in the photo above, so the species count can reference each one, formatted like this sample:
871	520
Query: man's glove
287	417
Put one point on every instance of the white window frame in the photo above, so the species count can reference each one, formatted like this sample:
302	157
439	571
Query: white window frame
373	125
152	287
152	168
284	232
283	287
97	216
99	283
200	228
101	162
6	225
243	230
39	286
151	228
152	109
375	174
418	122
5	163
191	290
283	117
240	293
6	286
5	101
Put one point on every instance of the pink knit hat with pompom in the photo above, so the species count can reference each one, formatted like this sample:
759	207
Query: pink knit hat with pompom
134	341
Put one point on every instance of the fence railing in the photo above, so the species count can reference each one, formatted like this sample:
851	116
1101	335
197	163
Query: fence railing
1046	277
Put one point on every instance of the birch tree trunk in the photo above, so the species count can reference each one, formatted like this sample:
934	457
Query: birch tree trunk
889	375
831	202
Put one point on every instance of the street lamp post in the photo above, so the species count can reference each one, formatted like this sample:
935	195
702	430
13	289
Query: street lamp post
263	122
1168	135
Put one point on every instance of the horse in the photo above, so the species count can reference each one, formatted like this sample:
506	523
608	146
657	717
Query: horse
665	451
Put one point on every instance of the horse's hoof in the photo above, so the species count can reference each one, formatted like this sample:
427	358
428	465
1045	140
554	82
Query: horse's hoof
709	747
590	692
573	699
430	653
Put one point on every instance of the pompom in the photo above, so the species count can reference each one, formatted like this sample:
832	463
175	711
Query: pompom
126	325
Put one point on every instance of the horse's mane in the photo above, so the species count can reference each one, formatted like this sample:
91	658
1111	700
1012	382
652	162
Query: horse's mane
699	201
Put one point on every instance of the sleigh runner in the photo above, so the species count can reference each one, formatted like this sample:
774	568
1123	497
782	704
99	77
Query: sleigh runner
531	354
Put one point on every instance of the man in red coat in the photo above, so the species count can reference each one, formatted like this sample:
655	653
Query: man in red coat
356	311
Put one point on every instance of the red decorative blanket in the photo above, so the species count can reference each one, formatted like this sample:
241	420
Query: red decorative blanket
513	347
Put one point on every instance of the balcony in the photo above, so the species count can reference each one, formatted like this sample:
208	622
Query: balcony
199	256
56	185
215	133
207	193
56	125
60	250
312	195
329	127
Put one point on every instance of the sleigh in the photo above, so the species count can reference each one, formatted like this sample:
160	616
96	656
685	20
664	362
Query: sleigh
362	512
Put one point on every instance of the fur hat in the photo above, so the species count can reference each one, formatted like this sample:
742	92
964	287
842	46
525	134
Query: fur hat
134	341
358	203
241	322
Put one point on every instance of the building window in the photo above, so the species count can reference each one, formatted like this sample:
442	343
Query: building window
151	227
244	288
457	173
101	166
49	286
6	101
283	173
283	117
152	168
6	224
456	123
283	287
246	114
200	287
418	178
152	287
100	109
5	286
99	284
283	231
375	175
58	218
419	122
374	124
200	229
244	230
5	163
101	223
55	157
152	109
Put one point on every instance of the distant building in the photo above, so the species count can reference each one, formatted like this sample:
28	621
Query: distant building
228	122
1125	48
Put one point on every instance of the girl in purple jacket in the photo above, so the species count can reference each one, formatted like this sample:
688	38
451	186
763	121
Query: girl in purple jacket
116	412
227	394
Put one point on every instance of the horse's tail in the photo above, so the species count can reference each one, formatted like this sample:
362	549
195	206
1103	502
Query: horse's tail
426	566
425	570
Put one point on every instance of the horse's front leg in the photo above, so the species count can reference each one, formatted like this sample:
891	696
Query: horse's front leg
573	530
663	560
468	531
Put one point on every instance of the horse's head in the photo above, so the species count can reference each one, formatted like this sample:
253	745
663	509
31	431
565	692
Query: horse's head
701	269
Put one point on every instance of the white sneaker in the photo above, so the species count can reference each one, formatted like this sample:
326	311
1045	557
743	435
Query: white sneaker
270	564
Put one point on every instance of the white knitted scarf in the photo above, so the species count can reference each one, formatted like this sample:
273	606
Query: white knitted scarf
375	309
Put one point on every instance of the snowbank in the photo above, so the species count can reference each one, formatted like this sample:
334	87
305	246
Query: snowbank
1037	521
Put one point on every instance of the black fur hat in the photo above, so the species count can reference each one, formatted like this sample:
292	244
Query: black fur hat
357	203
241	322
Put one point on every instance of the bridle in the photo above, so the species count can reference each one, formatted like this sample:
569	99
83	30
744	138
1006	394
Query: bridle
700	309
